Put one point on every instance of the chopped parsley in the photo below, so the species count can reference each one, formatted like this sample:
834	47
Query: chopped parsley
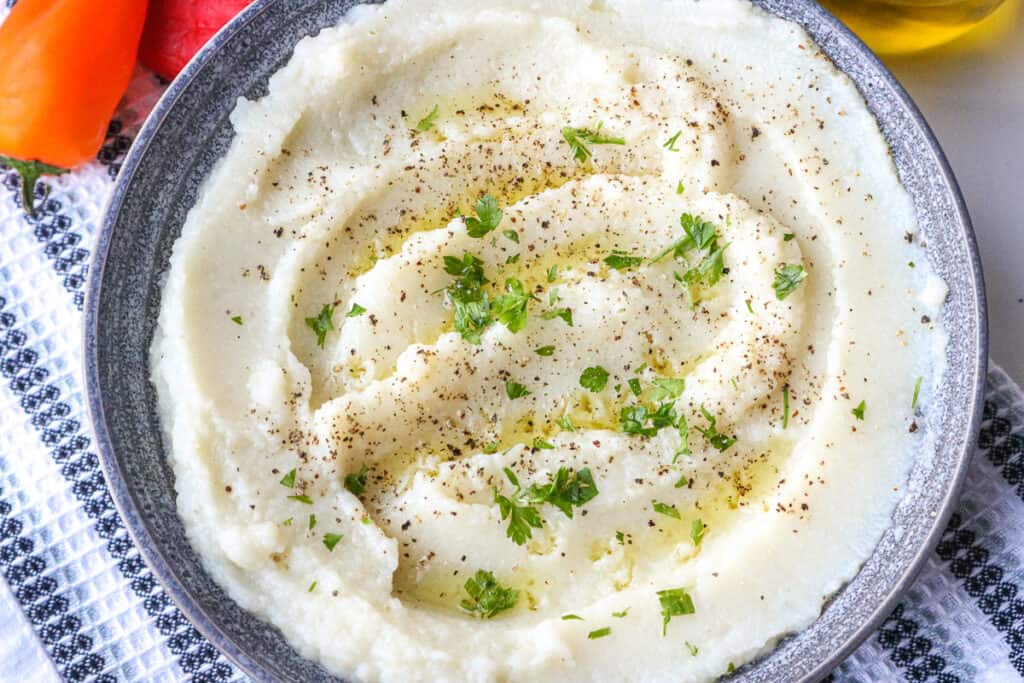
670	144
322	323
719	441
514	258
683	481
594	378
312	587
579	138
563	313
787	278
510	308
675	602
700	235
697	530
620	537
427	122
571	617
622	614
236	319
544	350
684	439
355	311
488	216
467	297
666	388
552	273
750	308
520	515
679	188
620	260
666	509
516	390
542	444
331	540
600	633
639	419
566	423
788	236
917	393
691	648
312	521
356	483
288	522
729	669
566	490
487	597
302	498
289	479
785	406
858	412
511	235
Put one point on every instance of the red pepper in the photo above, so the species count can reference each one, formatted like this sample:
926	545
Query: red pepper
177	29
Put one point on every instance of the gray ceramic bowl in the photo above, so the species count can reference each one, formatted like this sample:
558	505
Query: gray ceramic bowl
189	130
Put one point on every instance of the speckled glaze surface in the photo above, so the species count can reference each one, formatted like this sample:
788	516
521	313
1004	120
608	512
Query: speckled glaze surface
189	130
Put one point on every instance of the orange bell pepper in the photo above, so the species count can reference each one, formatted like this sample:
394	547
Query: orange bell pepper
64	65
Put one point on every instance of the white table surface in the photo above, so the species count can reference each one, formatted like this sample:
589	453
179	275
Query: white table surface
972	94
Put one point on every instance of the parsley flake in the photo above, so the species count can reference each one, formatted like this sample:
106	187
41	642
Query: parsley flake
667	388
564	313
511	235
356	483
427	122
355	311
785	406
917	392
697	530
516	390
322	323
312	587
620	537
331	540
634	385
510	308
787	278
289	479
594	378
719	441
312	521
600	633
691	648
566	490
566	423
622	614
579	138
620	260
542	444
670	144
236	319
788	237
544	350
666	509
571	617
683	481
858	412
487	597
488	216
552	273
679	188
471	304
674	602
302	498
639	419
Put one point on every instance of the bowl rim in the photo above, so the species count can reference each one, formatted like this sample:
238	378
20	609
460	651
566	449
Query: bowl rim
127	505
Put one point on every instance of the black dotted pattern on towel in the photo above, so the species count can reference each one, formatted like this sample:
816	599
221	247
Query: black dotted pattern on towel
58	627
41	400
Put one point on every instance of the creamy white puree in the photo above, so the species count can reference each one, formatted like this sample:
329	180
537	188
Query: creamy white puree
328	195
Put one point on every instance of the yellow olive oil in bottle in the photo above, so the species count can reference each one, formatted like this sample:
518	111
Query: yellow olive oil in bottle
904	26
